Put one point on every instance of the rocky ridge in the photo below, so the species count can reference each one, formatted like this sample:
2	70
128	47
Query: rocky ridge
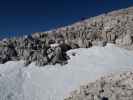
114	27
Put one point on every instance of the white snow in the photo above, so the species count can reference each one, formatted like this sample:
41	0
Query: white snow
55	82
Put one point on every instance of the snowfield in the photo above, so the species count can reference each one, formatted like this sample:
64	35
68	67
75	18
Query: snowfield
56	82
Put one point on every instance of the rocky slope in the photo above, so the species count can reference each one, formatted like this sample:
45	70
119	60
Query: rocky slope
115	27
113	87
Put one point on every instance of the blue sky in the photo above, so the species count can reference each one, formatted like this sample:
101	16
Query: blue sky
27	16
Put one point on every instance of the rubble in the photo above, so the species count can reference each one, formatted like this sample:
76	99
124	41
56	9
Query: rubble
113	87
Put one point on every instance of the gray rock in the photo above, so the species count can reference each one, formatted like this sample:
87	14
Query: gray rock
113	87
126	40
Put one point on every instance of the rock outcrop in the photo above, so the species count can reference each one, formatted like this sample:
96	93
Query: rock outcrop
33	50
115	27
113	87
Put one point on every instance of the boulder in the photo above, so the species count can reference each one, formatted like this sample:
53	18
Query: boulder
58	54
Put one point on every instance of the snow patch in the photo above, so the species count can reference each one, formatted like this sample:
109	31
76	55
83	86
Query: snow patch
54	82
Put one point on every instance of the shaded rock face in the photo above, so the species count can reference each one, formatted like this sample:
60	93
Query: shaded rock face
115	27
7	52
35	50
114	87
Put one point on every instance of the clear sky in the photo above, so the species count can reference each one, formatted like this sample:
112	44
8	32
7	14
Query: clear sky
27	16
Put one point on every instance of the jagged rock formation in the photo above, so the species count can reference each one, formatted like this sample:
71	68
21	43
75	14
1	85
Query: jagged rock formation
31	49
113	87
115	27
